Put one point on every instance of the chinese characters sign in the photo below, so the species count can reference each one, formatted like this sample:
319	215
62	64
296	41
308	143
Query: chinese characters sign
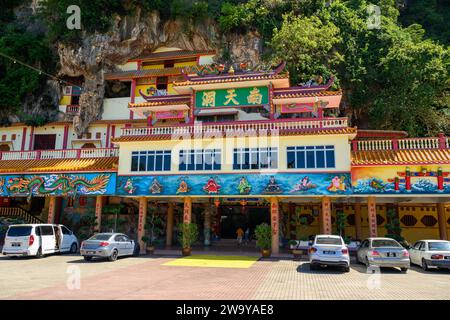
252	96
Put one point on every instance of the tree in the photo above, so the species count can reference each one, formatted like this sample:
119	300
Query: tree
393	225
307	44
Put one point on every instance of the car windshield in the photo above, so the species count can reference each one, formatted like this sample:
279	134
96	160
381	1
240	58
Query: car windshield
439	246
102	237
21	231
385	243
323	240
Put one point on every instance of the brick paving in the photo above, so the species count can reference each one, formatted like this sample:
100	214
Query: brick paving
148	278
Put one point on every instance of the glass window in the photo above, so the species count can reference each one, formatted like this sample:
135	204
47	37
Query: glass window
255	158
151	160
439	246
65	230
329	240
46	230
20	231
311	157
385	243
199	160
100	236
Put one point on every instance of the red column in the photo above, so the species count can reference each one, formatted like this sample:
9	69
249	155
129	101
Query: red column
442	221
108	142
326	215
51	210
274	221
141	222
372	216
30	146
65	136
187	210
24	138
408	179
98	212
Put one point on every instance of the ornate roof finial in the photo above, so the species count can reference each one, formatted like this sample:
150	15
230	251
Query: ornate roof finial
231	70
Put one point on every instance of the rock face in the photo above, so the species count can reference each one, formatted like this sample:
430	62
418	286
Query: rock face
131	37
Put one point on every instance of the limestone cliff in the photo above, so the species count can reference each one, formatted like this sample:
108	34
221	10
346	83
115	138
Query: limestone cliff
130	37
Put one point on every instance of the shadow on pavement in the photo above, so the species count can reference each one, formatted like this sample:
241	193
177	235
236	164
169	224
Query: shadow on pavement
305	268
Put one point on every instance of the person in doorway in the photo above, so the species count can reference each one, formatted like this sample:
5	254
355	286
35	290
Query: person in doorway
247	235
240	234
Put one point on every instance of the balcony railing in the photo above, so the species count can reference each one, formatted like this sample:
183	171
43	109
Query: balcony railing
440	142
60	154
73	109
236	127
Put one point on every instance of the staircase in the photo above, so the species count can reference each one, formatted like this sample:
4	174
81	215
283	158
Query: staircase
15	212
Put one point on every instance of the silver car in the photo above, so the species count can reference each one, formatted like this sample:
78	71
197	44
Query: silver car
383	252
108	245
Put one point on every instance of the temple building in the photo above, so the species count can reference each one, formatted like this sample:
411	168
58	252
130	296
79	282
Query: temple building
184	139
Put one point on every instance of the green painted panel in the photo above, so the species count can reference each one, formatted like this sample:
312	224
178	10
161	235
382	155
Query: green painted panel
237	97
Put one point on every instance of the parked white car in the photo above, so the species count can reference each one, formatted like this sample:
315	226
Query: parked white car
431	254
38	240
329	250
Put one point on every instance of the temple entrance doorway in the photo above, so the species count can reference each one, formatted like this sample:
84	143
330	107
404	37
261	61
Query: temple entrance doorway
233	217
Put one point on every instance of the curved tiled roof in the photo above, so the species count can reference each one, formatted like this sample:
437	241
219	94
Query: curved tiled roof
394	157
59	165
235	78
283	95
283	132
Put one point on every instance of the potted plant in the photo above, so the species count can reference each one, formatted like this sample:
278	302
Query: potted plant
188	235
152	226
150	248
263	233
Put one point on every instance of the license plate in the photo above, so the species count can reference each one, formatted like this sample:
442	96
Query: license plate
391	254
329	252
15	244
90	252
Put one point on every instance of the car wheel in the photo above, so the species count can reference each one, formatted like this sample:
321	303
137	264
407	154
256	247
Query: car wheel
113	256
39	253
136	251
346	269
86	258
73	248
404	270
424	265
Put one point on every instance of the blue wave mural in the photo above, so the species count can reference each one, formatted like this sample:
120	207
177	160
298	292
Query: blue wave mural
236	184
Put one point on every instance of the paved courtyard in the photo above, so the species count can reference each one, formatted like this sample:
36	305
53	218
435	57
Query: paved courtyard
161	277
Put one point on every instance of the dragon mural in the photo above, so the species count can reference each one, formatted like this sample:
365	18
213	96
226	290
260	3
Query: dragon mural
65	185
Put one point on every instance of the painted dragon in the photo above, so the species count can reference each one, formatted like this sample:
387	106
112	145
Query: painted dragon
63	185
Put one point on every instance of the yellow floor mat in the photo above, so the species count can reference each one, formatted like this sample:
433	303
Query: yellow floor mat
210	261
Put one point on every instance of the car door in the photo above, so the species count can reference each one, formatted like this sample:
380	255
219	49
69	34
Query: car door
421	252
129	245
361	252
414	252
119	244
47	239
66	238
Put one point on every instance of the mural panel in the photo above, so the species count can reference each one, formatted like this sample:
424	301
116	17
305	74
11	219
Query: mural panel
58	184
401	180
236	184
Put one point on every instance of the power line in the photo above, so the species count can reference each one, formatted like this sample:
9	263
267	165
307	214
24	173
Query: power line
14	60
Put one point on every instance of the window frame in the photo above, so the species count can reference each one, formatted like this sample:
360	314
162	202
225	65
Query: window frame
188	160
250	158
142	160
306	157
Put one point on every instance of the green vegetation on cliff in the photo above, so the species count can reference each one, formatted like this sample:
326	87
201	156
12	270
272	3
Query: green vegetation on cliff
393	67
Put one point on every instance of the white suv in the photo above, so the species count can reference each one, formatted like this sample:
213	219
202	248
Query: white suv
329	250
38	239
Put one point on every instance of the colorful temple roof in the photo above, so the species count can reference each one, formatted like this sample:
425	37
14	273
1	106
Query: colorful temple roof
400	157
179	54
106	164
